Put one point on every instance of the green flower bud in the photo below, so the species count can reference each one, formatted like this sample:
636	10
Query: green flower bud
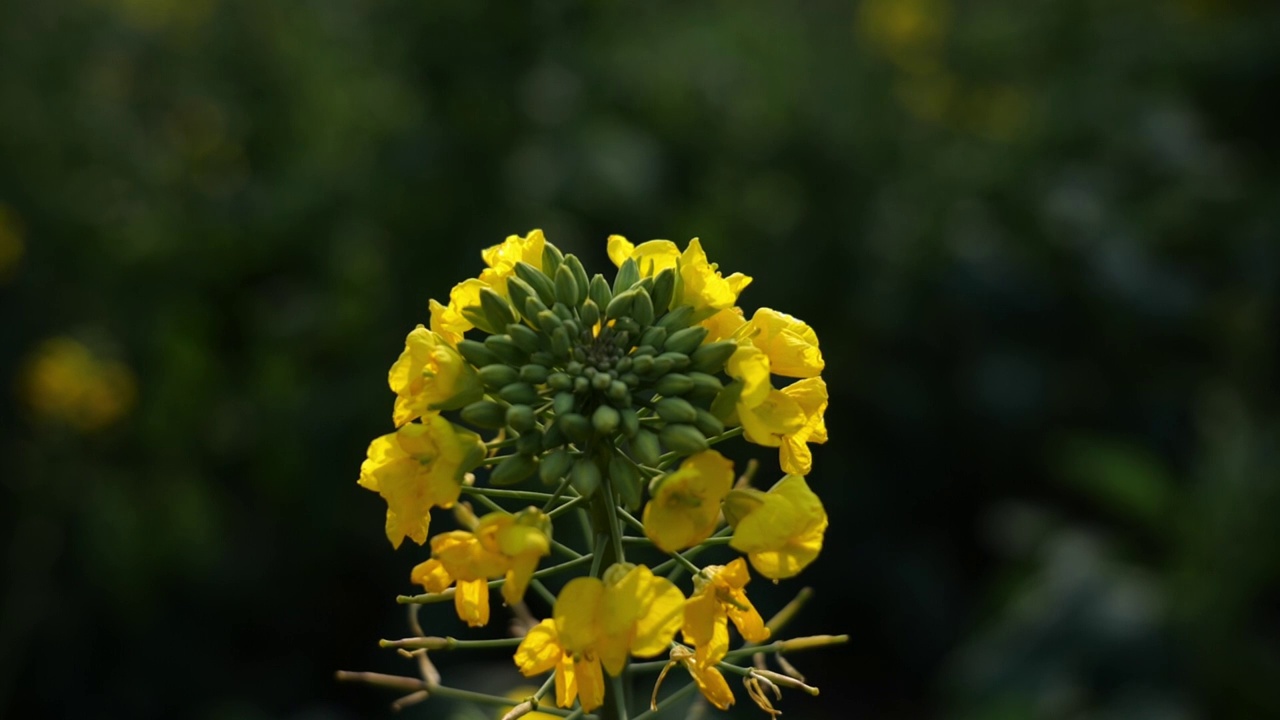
566	286
533	307
534	374
590	313
664	288
646	448
548	321
707	423
630	420
679	361
585	477
627	324
576	427
678	319
496	308
605	420
539	281
686	340
601	381
513	470
704	385
682	439
555	466
628	275
506	350
560	345
519	392
563	403
476	316
520	292
654	336
643	365
524	337
599	291
710	358
618	393
673	384
644	350
498	376
485	414
581	281
623	364
551	258
553	437
581	384
529	443
675	410
543	358
562	311
521	418
619	306
642	308
559	381
661	365
476	353
625	480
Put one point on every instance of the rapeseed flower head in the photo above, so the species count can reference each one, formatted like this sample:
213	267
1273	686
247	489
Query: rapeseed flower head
430	375
66	382
612	392
685	504
416	468
781	530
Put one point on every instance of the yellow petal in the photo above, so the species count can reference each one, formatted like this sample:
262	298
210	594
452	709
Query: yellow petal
724	325
620	249
784	534
663	615
703	286
686	506
432	576
712	684
539	651
655	256
577	613
771	421
522	569
705	625
590	683
750	365
471	599
792	346
566	681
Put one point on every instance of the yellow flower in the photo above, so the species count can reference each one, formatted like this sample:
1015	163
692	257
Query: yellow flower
502	545
780	531
684	508
702	286
501	259
595	625
719	597
789	419
724	325
707	677
418	467
431	375
651	257
447	321
64	381
790	344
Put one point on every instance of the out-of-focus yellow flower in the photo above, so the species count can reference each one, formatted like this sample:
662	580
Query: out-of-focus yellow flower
781	531
790	344
501	259
65	382
702	286
416	468
910	32
595	625
502	545
431	375
684	507
11	243
718	597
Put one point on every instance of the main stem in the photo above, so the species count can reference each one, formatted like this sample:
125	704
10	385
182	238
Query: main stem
604	516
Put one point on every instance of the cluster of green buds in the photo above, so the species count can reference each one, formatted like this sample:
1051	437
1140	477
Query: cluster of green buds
604	399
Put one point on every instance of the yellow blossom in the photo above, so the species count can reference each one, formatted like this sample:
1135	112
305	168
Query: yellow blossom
651	257
789	419
502	545
685	506
430	375
595	625
725	324
501	259
707	678
781	531
447	321
702	286
790	344
66	382
719	597
418	467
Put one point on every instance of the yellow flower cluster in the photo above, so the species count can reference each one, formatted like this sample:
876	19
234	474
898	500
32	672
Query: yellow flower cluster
65	382
612	394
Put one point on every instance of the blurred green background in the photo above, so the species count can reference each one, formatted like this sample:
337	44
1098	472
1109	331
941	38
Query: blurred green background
1040	242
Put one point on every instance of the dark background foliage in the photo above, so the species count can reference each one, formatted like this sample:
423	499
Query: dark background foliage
1039	241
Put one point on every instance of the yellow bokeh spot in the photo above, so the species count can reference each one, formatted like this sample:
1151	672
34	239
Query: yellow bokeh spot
65	382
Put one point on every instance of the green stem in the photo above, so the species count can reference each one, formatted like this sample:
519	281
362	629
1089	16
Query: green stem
619	710
487	699
566	507
564	484
529	495
428	598
668	701
448	643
